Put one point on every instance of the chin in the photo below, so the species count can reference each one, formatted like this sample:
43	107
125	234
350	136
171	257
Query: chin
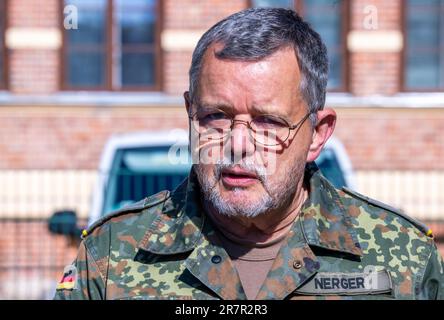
241	202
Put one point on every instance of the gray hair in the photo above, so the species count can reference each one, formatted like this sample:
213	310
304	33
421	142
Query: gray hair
256	33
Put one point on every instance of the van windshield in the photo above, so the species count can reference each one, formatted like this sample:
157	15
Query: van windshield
139	172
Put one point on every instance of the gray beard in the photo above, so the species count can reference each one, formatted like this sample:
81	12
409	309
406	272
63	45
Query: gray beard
276	196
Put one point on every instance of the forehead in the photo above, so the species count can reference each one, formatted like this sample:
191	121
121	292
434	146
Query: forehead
263	84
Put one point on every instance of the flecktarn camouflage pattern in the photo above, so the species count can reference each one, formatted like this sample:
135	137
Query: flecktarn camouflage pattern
341	246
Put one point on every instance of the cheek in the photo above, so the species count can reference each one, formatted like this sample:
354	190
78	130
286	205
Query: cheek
210	152
207	171
290	159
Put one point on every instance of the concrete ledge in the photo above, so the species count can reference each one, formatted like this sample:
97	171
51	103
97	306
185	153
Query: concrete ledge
180	40
33	38
375	41
159	99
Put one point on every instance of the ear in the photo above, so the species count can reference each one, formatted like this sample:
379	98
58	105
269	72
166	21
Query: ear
323	130
186	96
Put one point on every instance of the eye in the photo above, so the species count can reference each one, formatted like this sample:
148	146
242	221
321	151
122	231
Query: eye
214	116
214	119
269	122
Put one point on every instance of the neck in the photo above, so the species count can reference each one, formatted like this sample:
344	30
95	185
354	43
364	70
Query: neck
263	230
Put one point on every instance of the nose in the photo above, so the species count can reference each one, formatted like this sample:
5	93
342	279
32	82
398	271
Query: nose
242	144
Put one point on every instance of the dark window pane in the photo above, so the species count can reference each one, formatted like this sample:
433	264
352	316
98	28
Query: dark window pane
135	4
91	28
138	69
424	61
86	69
425	3
273	3
328	24
137	27
423	71
137	21
325	17
91	22
87	3
85	58
335	64
423	27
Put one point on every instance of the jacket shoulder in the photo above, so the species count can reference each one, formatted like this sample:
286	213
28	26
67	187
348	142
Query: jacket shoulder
387	208
134	208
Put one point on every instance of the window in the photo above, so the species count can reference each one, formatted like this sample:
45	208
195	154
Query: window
3	66
330	19
115	46
141	171
424	49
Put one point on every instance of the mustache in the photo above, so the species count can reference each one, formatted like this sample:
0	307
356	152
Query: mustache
259	171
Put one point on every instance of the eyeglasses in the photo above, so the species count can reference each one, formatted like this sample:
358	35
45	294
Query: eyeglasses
268	130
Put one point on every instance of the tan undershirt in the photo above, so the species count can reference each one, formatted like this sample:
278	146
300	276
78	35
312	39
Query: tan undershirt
253	255
252	263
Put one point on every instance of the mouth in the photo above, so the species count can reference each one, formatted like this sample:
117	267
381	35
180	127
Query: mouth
236	177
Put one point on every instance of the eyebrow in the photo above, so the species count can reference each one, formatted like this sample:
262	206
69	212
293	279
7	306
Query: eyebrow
263	110
257	109
213	106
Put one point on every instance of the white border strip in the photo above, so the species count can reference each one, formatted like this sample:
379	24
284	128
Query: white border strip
401	100
159	99
33	38
375	41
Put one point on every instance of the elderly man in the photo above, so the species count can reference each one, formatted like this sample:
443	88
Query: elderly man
256	219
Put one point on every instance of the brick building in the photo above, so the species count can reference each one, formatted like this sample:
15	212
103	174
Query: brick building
72	73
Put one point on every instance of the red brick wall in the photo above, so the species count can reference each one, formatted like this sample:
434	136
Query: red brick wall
73	138
31	259
196	14
374	73
176	67
37	14
393	139
33	70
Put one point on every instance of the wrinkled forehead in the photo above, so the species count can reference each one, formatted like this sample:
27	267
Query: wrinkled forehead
263	84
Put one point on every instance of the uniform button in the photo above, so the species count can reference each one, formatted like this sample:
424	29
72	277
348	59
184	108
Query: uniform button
297	264
216	259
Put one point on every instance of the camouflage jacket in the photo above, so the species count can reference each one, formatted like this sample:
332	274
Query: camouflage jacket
342	246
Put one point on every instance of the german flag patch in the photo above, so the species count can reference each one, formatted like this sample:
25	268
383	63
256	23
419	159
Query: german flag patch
69	278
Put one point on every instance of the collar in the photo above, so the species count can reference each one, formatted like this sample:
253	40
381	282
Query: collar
324	217
180	221
178	225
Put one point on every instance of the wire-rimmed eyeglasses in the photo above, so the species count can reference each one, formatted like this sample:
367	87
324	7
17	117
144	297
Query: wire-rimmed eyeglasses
266	129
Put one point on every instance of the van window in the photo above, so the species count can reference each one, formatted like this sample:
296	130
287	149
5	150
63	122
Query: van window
329	165
139	172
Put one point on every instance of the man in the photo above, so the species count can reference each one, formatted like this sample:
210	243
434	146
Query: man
256	219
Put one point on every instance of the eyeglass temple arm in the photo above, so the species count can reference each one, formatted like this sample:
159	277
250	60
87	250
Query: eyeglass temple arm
300	122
